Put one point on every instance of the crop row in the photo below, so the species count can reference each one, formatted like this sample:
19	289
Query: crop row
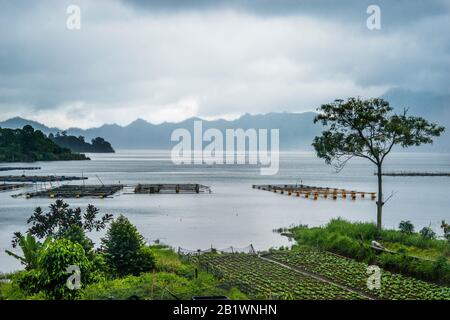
267	280
355	275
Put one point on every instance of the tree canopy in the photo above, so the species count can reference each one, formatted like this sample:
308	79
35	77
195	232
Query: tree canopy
27	145
368	129
78	144
61	221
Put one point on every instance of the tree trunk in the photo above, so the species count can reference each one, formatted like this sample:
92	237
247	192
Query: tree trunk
380	202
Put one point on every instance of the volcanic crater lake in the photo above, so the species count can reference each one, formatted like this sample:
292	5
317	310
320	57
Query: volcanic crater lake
234	214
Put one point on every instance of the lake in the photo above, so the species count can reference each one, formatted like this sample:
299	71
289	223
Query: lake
234	214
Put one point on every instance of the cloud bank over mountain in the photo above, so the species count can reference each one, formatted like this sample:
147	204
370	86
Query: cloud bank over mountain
297	130
171	60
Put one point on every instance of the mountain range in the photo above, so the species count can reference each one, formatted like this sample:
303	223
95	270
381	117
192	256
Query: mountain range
297	130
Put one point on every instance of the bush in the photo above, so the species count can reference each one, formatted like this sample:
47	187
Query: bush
446	228
427	233
353	240
53	274
167	260
124	249
76	234
159	286
406	227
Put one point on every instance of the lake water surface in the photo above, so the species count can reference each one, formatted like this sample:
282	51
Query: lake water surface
234	214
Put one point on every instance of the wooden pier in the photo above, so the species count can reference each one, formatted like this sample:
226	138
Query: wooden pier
77	191
171	188
314	193
33	179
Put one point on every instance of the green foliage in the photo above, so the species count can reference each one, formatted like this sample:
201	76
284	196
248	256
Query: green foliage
415	240
167	260
53	273
11	290
78	144
172	278
158	286
31	250
446	228
125	249
62	221
353	240
353	274
262	279
406	227
427	233
27	145
76	234
368	129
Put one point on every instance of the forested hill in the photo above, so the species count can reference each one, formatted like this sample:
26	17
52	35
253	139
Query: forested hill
78	144
27	145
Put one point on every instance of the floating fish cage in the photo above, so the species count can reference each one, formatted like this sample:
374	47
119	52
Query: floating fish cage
77	191
19	168
313	192
171	188
34	179
11	186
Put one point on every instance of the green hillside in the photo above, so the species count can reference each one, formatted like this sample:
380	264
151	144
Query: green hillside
28	145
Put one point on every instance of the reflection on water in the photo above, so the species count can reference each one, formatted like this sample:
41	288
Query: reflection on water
235	214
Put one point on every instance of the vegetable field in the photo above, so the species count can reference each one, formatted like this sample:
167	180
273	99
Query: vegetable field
309	274
266	280
353	274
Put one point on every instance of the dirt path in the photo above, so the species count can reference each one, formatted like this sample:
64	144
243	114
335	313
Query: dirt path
320	278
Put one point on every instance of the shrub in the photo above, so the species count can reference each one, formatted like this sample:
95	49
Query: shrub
76	234
446	228
53	269
31	250
124	249
167	260
353	240
427	233
406	227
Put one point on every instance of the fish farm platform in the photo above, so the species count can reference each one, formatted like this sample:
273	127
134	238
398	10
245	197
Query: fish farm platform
312	192
171	188
77	191
11	186
19	168
40	178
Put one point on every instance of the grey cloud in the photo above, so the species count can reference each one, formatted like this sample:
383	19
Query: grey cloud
162	60
394	12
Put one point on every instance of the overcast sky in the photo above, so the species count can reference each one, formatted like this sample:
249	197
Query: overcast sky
168	60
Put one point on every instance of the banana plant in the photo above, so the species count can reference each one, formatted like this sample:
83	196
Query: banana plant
31	250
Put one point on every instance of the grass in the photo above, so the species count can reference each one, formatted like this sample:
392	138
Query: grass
426	259
159	286
428	254
171	279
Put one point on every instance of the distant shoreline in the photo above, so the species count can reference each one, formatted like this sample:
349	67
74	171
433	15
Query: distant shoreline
416	174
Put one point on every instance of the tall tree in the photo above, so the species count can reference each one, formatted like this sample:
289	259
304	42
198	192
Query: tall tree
368	129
